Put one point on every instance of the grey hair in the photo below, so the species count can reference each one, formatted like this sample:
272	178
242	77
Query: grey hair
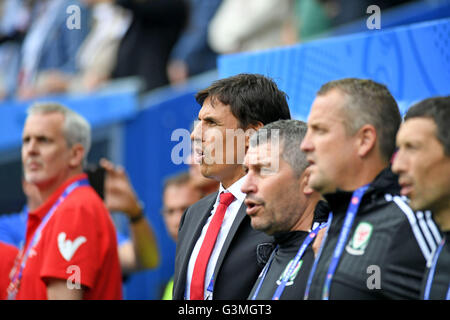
76	129
291	134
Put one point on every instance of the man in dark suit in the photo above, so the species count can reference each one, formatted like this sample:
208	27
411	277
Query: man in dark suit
224	264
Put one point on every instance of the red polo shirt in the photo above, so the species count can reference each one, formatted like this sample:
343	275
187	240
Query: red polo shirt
8	255
77	245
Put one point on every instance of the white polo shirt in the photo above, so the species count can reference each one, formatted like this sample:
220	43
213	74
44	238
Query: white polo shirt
228	219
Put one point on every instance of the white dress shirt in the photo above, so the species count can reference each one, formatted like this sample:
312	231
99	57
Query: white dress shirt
228	219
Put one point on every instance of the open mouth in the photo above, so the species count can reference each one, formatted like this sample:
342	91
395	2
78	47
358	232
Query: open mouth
252	207
33	165
406	189
406	185
198	155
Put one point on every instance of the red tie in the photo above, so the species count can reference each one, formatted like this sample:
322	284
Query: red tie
198	276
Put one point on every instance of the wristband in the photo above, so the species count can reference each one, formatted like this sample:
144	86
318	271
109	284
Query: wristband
140	216
137	218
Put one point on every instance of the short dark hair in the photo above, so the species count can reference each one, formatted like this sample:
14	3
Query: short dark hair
291	134
369	102
438	110
252	98
179	179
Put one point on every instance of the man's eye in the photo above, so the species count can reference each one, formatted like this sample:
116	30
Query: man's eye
168	211
44	139
319	130
411	147
266	171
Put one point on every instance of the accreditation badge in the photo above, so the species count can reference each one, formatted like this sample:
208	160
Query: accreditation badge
360	239
293	275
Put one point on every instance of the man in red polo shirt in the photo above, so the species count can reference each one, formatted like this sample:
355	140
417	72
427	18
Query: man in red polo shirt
8	254
70	249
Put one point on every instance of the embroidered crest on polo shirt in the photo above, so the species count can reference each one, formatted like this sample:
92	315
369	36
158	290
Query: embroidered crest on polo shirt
293	275
67	248
360	239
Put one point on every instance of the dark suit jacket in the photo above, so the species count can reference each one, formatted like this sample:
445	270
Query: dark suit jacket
242	258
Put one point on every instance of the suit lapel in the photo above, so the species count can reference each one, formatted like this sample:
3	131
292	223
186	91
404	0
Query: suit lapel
196	231
234	227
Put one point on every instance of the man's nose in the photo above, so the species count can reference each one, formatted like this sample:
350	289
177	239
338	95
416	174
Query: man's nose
248	186
196	132
31	147
306	144
398	162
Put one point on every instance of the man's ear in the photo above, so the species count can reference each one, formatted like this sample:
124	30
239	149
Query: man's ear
307	190
76	155
249	131
366	140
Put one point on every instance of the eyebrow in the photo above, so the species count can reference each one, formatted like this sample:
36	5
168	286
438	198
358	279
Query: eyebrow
210	120
260	164
265	164
38	137
412	141
315	123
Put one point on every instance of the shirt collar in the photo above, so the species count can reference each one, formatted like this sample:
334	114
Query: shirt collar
235	189
46	206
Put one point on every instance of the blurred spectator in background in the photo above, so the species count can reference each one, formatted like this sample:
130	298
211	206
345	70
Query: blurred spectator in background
97	55
141	250
344	11
178	194
41	55
310	18
14	20
192	54
145	48
50	46
248	25
135	253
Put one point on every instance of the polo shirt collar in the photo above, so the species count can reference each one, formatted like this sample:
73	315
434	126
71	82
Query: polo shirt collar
42	210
